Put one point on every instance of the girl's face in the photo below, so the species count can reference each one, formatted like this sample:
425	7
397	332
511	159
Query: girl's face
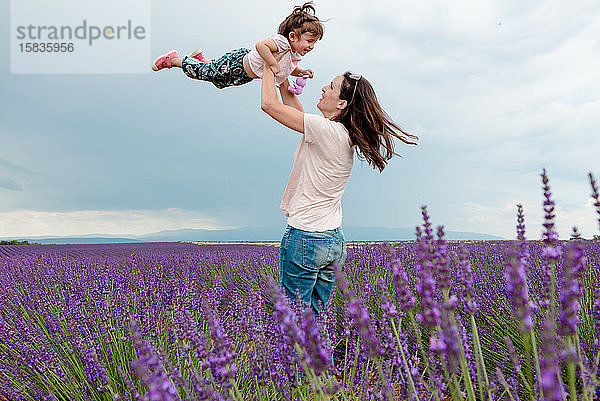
330	103
304	43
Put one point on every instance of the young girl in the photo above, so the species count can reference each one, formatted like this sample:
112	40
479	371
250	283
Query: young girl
296	36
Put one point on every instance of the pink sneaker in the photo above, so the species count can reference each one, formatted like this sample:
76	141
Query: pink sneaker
164	61
197	54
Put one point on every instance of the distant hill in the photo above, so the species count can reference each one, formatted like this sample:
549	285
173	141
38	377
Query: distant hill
389	234
80	240
352	233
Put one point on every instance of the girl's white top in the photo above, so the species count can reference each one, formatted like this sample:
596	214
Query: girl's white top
322	165
287	64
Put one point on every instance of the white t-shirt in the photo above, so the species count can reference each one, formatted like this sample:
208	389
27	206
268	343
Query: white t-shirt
287	64
322	164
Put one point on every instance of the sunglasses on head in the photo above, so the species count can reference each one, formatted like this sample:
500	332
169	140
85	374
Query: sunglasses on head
356	78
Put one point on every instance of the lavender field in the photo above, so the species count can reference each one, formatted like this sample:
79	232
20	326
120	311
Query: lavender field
425	319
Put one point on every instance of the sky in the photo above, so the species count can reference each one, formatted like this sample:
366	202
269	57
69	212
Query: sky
495	90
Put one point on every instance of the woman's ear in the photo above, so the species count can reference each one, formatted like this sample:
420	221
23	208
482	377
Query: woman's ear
342	104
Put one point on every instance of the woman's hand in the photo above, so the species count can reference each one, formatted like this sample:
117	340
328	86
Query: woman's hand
275	68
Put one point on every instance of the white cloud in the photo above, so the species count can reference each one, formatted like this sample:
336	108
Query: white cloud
501	219
22	223
492	219
584	218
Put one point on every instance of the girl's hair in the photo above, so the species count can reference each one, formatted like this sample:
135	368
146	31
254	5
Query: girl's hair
301	20
369	126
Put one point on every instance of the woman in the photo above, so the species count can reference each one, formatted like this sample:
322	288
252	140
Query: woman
352	119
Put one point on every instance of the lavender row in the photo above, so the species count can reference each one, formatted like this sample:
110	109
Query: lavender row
420	320
78	250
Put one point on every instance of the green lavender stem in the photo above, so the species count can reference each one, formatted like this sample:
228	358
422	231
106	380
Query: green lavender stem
507	390
479	354
417	332
571	369
451	381
536	359
463	357
528	375
464	367
410	379
586	391
380	370
594	370
346	357
367	372
553	305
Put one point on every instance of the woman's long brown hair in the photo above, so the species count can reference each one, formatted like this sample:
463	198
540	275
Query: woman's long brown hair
369	126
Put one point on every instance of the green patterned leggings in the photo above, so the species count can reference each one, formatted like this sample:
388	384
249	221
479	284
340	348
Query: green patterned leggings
227	70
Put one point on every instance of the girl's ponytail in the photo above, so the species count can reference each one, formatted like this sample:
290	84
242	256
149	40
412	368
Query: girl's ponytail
301	20
307	8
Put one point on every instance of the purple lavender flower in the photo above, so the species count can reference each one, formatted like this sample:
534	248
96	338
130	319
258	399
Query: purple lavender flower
596	313
425	248
316	355
520	223
549	235
221	360
359	313
550	238
572	288
163	290
516	278
470	355
287	328
427	230
501	378
465	276
426	287
551	252
129	384
595	195
387	306
512	353
284	314
430	314
405	296
150	371
446	344
441	259
549	364
448	336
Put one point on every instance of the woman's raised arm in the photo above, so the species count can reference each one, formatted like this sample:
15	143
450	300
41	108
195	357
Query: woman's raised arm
289	116
289	98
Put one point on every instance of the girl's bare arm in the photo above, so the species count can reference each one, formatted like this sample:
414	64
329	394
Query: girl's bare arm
266	48
299	72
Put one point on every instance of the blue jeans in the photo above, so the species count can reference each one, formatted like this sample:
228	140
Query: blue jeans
306	260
